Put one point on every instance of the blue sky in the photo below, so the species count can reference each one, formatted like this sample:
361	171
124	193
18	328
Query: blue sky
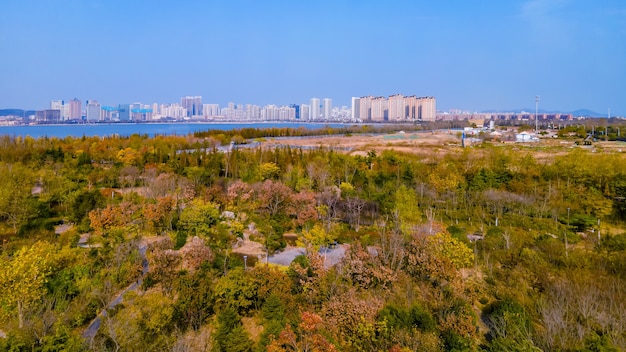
470	55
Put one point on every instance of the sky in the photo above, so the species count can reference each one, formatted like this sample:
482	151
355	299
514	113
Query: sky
469	55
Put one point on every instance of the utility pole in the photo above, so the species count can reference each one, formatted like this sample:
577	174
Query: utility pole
566	254
536	114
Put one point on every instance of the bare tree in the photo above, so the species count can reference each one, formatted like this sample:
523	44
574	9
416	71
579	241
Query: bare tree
354	206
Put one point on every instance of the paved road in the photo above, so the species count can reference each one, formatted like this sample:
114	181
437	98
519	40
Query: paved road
332	255
93	327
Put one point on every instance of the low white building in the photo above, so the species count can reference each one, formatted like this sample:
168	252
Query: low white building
525	137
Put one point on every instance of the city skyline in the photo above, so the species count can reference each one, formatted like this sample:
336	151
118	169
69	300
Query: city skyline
470	57
190	108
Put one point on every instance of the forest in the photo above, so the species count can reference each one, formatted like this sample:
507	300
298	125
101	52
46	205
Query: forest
129	244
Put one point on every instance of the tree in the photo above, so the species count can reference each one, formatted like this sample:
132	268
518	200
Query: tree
269	171
302	208
363	269
318	236
198	218
274	320
240	195
160	215
85	202
236	290
354	207
129	176
230	335
327	201
274	197
142	323
128	156
194	253
306	338
113	216
165	266
22	278
408	212
352	318
15	190
195	299
509	322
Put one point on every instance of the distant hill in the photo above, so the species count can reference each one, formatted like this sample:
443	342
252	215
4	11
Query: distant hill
16	112
588	113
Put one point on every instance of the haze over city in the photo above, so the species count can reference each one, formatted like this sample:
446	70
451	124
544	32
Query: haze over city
468	55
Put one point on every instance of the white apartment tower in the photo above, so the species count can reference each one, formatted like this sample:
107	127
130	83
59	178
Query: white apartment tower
327	108
314	109
93	110
356	104
64	109
305	113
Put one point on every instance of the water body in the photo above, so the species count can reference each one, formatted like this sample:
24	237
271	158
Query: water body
150	129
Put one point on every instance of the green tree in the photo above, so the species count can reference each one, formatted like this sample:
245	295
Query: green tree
230	335
237	289
85	202
274	321
198	218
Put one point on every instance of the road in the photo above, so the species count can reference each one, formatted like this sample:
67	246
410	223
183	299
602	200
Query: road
332	255
91	331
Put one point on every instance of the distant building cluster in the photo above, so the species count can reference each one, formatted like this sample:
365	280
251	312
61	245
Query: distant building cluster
190	108
456	115
396	108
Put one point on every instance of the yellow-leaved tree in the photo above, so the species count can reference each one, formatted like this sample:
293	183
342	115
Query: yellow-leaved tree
318	236
22	279
407	209
446	246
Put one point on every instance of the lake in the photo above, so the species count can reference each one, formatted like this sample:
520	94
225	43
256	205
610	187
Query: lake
150	129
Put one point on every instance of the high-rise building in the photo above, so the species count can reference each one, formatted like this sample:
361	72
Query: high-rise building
296	108
304	112
356	105
410	107
109	113
380	109
365	108
48	116
56	105
327	108
427	108
124	112
76	109
210	110
64	109
314	114
193	104
93	110
396	108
